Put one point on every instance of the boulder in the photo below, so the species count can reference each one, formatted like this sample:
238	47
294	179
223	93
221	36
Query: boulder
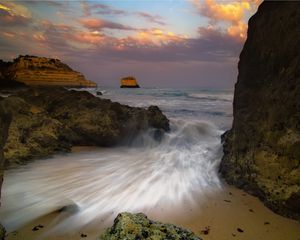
262	150
138	226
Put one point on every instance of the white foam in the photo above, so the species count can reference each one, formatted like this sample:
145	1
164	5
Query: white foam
143	177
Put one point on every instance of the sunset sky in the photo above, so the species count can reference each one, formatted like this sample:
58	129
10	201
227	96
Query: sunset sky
164	43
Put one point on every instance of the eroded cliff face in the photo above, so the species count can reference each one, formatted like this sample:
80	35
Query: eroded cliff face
262	150
42	71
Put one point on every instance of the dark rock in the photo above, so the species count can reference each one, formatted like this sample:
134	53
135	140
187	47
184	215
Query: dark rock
2	232
5	119
49	120
206	230
138	226
262	150
240	230
99	93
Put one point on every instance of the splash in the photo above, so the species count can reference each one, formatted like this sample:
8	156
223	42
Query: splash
143	176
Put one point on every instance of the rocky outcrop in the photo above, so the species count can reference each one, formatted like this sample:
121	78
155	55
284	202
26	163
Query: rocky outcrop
5	119
138	226
262	150
129	82
42	71
48	120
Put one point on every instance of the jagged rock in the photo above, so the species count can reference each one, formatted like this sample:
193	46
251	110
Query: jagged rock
42	71
138	226
47	120
262	150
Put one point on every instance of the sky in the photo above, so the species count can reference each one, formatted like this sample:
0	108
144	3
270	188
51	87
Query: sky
163	43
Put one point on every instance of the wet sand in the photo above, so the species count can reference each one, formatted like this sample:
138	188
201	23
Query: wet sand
228	214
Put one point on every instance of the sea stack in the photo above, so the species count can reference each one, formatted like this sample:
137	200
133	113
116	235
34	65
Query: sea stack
42	71
262	150
129	82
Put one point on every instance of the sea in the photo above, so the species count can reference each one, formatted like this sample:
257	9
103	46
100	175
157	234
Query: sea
157	178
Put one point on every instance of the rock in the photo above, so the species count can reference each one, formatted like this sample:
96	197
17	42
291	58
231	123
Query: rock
5	118
42	71
2	232
99	93
129	82
138	226
262	150
48	120
7	84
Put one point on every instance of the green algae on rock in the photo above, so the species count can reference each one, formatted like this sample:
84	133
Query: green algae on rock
138	226
262	150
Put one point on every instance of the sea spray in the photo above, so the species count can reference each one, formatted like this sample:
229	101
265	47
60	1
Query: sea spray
158	176
140	177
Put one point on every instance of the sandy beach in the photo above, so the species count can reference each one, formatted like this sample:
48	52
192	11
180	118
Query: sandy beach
229	214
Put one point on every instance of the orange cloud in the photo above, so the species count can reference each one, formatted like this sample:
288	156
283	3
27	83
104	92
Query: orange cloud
8	34
158	37
233	12
89	37
14	14
239	30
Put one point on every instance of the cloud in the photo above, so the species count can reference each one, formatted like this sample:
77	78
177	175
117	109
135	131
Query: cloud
107	10
99	8
12	14
96	23
85	8
232	12
152	18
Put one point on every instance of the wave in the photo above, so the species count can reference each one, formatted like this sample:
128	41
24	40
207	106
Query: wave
143	176
212	97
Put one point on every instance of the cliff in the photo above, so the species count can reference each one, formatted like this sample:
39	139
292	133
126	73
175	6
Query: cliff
129	82
49	120
262	150
42	71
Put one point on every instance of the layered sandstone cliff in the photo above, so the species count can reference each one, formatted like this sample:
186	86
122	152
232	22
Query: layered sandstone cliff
42	71
262	150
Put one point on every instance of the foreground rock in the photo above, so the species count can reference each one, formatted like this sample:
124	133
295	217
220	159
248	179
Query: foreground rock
48	120
41	71
262	150
138	226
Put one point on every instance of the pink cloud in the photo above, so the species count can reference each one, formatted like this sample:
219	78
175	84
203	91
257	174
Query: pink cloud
96	23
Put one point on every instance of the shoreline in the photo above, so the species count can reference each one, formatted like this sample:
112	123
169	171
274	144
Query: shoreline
230	213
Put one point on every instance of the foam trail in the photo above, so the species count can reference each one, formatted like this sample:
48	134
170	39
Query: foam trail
143	177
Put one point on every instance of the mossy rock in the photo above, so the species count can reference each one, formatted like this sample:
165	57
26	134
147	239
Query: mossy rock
137	226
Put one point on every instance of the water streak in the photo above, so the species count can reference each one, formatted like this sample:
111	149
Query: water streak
141	177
